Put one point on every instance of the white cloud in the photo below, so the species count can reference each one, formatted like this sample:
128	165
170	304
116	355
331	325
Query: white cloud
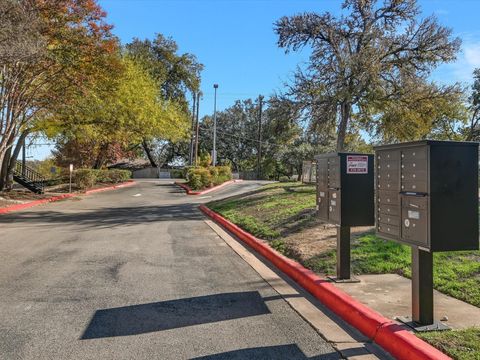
462	69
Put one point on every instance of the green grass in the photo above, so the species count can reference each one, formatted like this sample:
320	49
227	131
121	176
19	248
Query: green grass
272	211
459	344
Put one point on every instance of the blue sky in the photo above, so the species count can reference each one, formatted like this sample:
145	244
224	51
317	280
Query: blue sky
235	41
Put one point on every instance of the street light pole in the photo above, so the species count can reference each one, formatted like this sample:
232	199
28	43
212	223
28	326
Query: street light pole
214	156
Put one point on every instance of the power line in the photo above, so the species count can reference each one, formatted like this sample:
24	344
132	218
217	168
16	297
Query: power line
240	137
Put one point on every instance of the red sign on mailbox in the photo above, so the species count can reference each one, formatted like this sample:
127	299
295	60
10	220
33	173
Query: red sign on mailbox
357	164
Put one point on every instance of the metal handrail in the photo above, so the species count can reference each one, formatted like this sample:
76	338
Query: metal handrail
29	174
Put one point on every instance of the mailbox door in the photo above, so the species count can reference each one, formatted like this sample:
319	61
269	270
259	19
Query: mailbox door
334	206
415	220
414	169
322	173
322	202
322	189
334	172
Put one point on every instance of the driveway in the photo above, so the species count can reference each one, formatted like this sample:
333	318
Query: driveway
137	274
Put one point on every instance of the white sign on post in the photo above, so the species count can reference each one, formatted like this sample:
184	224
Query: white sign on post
357	164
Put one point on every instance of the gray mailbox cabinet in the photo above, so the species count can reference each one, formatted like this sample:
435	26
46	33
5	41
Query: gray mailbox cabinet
427	194
345	188
427	197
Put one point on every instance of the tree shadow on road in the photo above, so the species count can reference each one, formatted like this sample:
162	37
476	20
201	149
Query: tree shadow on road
165	315
106	217
289	351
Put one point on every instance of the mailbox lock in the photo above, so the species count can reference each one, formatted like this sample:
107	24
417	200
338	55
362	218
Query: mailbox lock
407	223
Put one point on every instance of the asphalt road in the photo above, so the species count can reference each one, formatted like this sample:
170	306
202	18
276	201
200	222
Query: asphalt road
137	274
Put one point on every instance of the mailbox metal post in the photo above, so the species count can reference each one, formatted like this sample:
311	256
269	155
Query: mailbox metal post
343	253
422	286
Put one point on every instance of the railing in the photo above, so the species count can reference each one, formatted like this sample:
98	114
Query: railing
29	175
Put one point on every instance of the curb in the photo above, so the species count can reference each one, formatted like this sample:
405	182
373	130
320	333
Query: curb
399	342
30	204
189	191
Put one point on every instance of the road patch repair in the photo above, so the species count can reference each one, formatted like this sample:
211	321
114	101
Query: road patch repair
18	207
189	191
390	335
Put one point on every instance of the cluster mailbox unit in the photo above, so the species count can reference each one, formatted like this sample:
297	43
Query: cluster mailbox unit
427	197
345	197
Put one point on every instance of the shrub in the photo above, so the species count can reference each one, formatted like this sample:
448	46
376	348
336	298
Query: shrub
178	173
284	179
225	171
85	178
201	178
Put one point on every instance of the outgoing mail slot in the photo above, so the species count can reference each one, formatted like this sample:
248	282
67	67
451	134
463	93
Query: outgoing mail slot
388	197
415	202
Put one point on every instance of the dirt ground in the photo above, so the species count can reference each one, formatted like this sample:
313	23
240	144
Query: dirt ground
319	237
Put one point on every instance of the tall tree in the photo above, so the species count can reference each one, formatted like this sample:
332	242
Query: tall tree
117	116
365	52
67	47
176	75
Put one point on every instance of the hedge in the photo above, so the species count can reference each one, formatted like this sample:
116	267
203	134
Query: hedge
87	178
204	177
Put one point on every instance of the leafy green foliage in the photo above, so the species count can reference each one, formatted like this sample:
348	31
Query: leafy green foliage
87	178
204	177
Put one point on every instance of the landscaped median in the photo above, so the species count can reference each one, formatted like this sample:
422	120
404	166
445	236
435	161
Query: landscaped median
30	204
388	334
190	191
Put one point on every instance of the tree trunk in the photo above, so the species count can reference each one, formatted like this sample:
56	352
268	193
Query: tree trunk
149	153
345	113
4	169
14	157
100	160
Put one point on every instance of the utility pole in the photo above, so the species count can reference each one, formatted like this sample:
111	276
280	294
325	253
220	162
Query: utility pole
214	155
190	155
197	126
259	148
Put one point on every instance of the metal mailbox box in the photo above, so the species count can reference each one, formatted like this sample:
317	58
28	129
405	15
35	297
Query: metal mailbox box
345	188
427	194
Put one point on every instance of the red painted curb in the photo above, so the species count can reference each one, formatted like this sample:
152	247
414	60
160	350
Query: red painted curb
389	335
30	204
206	191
